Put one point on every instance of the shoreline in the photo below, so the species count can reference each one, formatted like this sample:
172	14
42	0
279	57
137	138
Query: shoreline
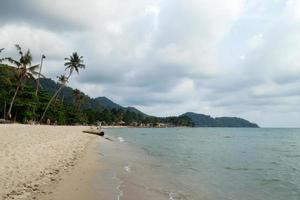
78	182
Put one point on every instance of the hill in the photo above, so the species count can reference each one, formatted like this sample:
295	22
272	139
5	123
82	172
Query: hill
67	109
201	120
98	104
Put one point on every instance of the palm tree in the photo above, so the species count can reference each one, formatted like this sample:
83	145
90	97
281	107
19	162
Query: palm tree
76	93
38	78
74	62
79	98
62	80
24	70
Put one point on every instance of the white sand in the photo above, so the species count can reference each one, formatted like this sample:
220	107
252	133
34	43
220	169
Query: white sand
33	156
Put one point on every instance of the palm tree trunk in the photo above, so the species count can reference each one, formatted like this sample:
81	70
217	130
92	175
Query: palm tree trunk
12	102
53	97
4	112
51	100
38	79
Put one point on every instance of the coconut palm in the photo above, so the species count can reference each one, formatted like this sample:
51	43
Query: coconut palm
74	62
62	80
38	78
76	93
79	98
24	71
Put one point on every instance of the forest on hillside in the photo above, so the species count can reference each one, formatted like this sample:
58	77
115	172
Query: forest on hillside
24	99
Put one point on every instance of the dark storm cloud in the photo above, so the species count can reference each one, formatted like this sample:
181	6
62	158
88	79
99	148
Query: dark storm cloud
30	12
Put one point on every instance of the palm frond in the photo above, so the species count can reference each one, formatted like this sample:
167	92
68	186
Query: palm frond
37	74
81	66
68	63
74	62
31	76
33	68
62	79
18	47
26	59
12	61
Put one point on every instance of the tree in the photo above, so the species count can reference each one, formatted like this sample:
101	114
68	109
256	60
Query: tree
3	79
62	80
24	70
38	79
74	62
79	98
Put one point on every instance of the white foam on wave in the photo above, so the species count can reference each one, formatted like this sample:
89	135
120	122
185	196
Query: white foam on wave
120	184
121	139
171	196
127	168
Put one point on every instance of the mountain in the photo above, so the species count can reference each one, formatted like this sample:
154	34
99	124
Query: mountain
98	104
101	103
107	103
67	109
201	120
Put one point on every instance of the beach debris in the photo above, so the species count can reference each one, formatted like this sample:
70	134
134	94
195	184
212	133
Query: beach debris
98	130
109	139
95	132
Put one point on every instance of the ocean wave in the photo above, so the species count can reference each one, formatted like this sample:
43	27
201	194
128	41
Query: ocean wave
121	139
127	168
120	184
238	169
171	196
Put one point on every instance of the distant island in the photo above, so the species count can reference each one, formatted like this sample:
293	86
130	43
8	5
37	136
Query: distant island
200	120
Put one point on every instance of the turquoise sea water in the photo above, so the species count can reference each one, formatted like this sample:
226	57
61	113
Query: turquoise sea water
216	163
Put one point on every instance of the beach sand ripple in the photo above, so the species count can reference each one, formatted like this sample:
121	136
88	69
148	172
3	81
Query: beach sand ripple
32	156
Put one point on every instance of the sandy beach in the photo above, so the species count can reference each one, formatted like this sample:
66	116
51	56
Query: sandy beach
33	159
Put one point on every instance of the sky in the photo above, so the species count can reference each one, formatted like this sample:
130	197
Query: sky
166	57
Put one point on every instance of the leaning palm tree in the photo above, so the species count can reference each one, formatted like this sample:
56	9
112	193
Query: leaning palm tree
38	78
24	71
62	80
74	62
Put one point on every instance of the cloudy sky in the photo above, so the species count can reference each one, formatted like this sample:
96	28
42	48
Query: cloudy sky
165	57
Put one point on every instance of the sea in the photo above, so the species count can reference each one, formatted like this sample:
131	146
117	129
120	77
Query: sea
202	163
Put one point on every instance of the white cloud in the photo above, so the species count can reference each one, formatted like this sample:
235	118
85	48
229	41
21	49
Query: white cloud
256	41
163	56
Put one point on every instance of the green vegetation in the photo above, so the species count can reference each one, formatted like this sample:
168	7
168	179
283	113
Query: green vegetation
200	120
22	71
75	62
24	97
